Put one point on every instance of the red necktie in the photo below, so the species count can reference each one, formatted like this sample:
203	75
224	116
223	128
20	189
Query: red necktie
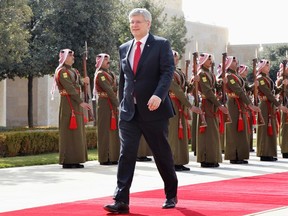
137	55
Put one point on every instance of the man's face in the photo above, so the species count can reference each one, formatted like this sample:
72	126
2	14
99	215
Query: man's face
245	73
139	27
233	65
176	59
208	62
266	69
70	58
105	63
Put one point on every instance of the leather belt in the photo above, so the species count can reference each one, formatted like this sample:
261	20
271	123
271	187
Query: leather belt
232	95
103	94
263	98
63	92
172	95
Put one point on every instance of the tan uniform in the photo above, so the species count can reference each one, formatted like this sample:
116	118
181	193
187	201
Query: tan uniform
237	133
208	144
72	143
267	134
193	123
179	128
283	135
108	143
222	125
252	116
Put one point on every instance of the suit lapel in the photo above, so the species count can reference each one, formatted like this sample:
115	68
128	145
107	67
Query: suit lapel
127	55
145	52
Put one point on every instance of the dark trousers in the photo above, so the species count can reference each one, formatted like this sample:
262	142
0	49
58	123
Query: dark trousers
155	133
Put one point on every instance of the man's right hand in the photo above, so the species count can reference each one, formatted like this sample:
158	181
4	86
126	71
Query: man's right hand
223	109
86	106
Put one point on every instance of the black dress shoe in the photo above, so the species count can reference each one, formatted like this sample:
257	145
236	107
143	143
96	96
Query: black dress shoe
106	163
109	163
170	203
185	168
209	165
143	159
72	166
118	208
285	155
238	162
268	158
67	166
78	166
181	168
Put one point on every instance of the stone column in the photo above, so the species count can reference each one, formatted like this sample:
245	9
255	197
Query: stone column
3	103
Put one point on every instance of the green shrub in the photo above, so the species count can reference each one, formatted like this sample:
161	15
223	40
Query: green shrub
33	142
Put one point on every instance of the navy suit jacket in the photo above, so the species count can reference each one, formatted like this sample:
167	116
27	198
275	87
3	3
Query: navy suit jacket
153	77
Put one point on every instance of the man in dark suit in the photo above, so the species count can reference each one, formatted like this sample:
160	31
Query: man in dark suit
145	108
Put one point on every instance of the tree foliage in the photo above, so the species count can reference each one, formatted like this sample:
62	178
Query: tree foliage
74	22
32	40
175	32
173	29
275	54
14	17
34	31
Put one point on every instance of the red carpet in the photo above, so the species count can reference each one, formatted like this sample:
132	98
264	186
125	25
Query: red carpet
229	197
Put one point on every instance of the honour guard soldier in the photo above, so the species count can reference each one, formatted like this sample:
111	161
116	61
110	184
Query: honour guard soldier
281	84
208	145
267	134
219	83
72	136
237	132
179	128
105	89
243	72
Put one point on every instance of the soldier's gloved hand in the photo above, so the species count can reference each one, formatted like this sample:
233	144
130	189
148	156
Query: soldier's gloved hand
86	80
285	82
254	108
85	106
283	108
196	110
223	109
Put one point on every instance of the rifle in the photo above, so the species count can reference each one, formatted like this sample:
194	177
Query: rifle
227	117
284	101
260	119
212	67
187	63
187	85
86	95
203	122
